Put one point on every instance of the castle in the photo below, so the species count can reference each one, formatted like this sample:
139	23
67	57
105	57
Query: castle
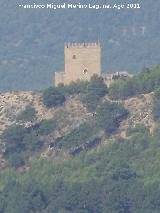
82	61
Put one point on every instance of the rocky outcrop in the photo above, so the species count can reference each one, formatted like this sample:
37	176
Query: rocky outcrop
11	104
140	109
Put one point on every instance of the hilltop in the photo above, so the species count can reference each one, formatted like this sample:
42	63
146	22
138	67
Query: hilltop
31	48
70	116
66	120
78	149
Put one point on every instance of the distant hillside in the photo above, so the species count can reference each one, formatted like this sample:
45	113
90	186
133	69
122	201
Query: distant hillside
79	149
73	125
32	41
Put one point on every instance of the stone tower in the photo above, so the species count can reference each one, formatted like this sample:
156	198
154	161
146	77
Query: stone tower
81	62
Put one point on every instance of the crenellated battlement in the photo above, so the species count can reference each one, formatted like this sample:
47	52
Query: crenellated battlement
82	45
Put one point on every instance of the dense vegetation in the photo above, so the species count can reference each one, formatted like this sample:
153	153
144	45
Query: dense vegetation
117	176
53	97
109	116
27	115
91	93
156	105
145	82
32	43
120	177
95	90
23	142
20	143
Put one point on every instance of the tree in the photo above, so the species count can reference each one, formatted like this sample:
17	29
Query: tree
97	86
95	91
27	115
156	105
47	126
53	97
76	87
16	160
13	138
109	116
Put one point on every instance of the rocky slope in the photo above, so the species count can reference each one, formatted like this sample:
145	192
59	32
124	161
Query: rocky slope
69	115
11	104
140	109
72	113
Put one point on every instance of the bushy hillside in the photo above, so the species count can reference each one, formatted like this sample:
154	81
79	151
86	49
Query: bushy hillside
61	155
67	120
120	177
32	40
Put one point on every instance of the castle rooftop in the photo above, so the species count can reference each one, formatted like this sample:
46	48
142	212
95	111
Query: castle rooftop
82	45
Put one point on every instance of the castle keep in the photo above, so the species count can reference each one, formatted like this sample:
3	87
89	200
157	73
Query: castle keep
81	62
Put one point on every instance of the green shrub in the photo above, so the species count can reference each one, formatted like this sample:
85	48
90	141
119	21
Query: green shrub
27	115
91	92
137	129
32	142
13	139
97	86
146	81
156	105
47	126
157	130
76	87
16	160
109	115
90	101
18	140
53	96
80	135
96	89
